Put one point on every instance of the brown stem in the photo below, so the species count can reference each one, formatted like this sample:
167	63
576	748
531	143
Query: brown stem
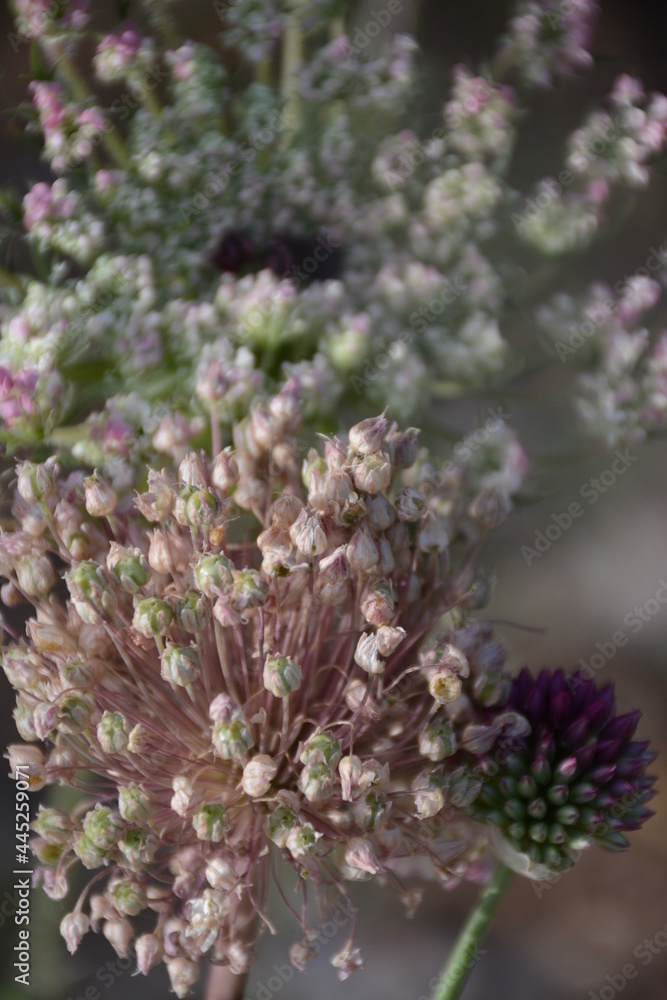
223	984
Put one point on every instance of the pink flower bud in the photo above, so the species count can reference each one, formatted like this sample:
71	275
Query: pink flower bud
366	437
72	927
149	952
258	775
100	498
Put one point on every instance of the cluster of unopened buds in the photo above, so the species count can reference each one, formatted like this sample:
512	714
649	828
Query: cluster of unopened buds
276	631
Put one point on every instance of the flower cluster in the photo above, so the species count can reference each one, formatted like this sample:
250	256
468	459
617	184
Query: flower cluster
622	389
577	778
367	261
275	628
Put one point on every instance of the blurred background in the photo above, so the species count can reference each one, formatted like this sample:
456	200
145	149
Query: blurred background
572	938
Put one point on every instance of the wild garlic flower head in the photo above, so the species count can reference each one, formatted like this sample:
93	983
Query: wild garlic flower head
252	660
574	778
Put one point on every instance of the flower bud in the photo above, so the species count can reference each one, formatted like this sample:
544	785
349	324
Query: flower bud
316	782
192	612
225	471
258	775
139	847
102	826
389	639
119	934
35	574
88	854
367	436
149	952
179	665
158	503
301	953
285	510
438	740
36	483
350	770
308	534
213	574
134	804
433	533
444	686
72	927
331	582
250	590
321	748
359	853
279	824
381	514
220	874
429	801
403	446
281	675
184	794
362	551
410	504
372	474
129	566
233	739
113	732
152	617
210	822
100	498
371	810
30	760
347	961
490	508
183	974
88	586
301	840
378	608
54	825
367	654
128	897
192	470
45	719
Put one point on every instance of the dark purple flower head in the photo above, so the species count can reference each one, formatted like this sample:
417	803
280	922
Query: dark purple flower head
576	778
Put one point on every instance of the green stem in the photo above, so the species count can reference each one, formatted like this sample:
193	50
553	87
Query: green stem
463	957
292	59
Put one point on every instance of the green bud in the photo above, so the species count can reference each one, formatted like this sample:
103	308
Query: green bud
138	846
130	569
36	483
558	795
129	898
515	809
192	612
232	739
54	825
179	665
438	740
134	804
113	732
537	809
152	617
567	815
102	826
210	822
279	824
281	675
88	853
212	574
321	748
250	589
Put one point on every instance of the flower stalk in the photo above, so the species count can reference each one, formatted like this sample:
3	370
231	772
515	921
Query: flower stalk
463	957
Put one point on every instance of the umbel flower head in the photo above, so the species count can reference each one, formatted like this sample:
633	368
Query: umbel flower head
246	666
575	779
